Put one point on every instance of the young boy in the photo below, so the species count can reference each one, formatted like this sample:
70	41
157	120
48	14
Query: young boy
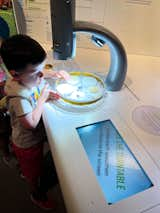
27	94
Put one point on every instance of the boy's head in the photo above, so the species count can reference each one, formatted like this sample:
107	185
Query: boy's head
24	57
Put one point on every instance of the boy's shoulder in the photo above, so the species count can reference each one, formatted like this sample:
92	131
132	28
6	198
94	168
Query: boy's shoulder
13	88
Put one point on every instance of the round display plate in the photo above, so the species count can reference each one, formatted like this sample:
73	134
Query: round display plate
81	89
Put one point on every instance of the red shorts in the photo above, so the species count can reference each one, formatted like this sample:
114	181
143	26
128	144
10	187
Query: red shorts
30	161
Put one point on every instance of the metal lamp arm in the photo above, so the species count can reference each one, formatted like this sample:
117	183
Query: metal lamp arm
118	65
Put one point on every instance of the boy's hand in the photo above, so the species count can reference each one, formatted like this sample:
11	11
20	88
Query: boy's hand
62	74
44	96
49	73
53	95
47	94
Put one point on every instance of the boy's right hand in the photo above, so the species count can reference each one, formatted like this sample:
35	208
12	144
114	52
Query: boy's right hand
44	96
47	94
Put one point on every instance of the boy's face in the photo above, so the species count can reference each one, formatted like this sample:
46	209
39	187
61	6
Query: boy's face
32	75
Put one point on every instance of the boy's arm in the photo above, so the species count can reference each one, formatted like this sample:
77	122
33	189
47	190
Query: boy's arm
49	73
31	120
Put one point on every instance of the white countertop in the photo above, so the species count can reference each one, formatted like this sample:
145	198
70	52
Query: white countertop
78	183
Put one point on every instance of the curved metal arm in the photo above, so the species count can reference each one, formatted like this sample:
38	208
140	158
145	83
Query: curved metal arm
118	66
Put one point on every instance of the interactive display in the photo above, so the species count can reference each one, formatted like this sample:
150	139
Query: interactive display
118	172
81	89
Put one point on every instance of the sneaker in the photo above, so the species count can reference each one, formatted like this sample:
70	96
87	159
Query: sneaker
43	204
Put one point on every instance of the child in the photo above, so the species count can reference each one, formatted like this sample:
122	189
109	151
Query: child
27	94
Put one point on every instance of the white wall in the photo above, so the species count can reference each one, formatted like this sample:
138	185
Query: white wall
135	22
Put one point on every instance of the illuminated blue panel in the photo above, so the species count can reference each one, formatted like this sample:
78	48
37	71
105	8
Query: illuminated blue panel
118	172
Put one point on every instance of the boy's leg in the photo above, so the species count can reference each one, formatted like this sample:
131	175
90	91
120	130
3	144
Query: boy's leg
30	161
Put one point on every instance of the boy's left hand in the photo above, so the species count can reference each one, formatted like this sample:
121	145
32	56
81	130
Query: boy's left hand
62	74
53	95
56	74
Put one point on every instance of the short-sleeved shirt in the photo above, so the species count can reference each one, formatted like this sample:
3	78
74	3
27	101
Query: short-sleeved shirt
20	106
